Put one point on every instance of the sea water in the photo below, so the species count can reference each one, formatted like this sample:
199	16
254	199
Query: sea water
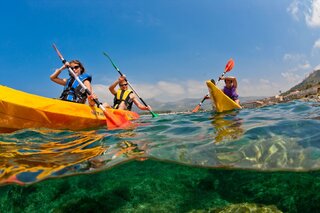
261	160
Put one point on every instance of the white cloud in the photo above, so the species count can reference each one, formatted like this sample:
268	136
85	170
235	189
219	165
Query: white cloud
293	9
317	44
305	65
299	67
246	81
317	67
162	90
171	91
298	64
291	77
310	10
264	81
169	88
313	15
293	57
196	88
102	91
296	74
260	87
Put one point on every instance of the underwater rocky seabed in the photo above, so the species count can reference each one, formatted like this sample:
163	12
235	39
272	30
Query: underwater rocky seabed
155	186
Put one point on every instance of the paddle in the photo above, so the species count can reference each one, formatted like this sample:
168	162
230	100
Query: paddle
228	68
113	123
199	105
152	113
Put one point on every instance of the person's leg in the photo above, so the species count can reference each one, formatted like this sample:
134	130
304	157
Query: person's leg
106	105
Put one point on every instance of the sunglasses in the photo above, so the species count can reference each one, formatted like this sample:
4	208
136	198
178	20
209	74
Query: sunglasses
75	67
123	85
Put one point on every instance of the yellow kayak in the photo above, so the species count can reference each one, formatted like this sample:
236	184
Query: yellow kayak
20	110
220	101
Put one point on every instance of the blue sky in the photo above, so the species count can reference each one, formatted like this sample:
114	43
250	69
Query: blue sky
167	48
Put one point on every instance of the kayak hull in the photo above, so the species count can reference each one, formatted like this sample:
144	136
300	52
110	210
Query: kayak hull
20	110
220	101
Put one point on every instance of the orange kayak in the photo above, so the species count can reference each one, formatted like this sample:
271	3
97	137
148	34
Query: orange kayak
20	110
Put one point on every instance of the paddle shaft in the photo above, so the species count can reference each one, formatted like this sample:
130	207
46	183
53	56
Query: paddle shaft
111	120
222	76
136	93
205	97
77	79
121	74
228	68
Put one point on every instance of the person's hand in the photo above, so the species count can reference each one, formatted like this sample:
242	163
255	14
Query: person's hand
91	99
207	97
148	108
122	78
92	96
66	65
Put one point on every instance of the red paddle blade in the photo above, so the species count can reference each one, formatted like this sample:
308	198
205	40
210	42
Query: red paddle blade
196	109
116	120
229	65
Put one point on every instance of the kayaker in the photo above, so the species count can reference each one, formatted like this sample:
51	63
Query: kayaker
230	89
72	89
124	97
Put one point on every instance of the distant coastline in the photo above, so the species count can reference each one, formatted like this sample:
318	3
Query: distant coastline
310	94
307	90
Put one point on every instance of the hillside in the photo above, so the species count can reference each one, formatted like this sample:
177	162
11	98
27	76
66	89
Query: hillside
312	80
308	89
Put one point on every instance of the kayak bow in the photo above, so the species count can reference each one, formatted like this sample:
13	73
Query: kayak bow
19	110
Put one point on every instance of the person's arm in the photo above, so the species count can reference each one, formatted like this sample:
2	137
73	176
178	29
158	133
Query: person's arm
92	96
113	86
138	104
233	79
235	83
55	76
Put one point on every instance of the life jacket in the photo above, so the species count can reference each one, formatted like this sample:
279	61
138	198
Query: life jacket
231	92
123	95
73	91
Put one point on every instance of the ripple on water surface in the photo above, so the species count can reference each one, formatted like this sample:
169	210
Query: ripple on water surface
279	137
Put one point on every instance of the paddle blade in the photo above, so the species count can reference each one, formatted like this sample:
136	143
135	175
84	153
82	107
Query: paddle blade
113	64
154	115
229	65
115	121
196	109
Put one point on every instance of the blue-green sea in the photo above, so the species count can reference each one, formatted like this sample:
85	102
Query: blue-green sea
253	160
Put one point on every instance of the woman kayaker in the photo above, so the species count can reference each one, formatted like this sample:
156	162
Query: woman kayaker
124	97
230	89
72	89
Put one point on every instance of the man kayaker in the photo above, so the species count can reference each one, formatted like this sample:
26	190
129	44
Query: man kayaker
124	97
72	89
230	89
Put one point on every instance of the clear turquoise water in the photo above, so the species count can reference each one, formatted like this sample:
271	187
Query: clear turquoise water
254	158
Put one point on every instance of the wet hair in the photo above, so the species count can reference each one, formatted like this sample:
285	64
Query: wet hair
78	63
